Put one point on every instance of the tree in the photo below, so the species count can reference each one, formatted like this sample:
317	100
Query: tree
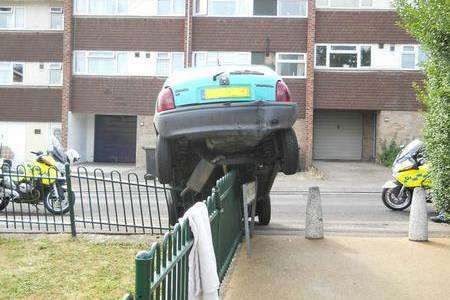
428	21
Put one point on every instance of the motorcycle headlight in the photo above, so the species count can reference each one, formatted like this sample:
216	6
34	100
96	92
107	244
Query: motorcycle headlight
403	165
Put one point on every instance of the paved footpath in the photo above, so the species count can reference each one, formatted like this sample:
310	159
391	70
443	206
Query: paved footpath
291	267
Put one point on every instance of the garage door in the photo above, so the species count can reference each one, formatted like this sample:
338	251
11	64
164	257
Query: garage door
337	135
115	139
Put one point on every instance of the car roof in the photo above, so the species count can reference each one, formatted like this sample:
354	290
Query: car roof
189	74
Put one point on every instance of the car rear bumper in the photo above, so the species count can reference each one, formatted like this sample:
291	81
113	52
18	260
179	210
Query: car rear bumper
252	119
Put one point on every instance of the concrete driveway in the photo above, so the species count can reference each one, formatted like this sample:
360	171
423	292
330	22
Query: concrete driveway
337	176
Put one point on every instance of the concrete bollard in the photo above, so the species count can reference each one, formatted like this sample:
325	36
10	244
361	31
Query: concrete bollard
314	221
418	217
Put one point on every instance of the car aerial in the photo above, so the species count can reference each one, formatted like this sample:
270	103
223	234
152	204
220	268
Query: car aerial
210	119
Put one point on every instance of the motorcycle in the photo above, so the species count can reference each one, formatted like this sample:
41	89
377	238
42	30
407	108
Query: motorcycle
40	180
410	170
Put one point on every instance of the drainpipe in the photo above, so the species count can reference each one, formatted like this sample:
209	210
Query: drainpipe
188	34
67	70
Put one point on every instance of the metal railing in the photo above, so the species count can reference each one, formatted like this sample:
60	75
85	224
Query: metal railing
162	271
98	201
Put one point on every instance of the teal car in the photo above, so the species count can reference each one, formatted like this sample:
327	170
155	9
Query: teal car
238	116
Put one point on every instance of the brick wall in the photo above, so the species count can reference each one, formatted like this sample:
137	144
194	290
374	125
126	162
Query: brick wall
152	34
115	95
31	46
249	34
30	104
360	27
375	90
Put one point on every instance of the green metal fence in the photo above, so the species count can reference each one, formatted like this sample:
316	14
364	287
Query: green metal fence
162	272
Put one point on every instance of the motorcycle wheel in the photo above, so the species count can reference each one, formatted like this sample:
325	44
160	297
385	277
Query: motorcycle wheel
391	200
54	205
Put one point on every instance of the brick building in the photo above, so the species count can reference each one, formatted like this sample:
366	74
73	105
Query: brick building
91	69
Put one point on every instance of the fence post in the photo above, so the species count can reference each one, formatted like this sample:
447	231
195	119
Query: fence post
142	285
418	218
70	195
314	221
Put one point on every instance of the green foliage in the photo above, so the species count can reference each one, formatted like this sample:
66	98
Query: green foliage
388	153
428	22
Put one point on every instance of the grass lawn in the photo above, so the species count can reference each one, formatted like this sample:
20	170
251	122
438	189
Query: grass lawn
59	267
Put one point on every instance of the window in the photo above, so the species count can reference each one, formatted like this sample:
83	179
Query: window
12	17
101	63
365	52
55	73
265	59
344	3
101	7
17	72
285	8
80	62
422	56
5	73
6	17
167	62
408	57
122	63
291	8
343	56
222	7
221	58
291	64
170	7
321	55
56	18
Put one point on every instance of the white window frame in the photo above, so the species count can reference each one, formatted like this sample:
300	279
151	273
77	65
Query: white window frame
57	10
297	61
98	54
415	51
55	66
8	67
170	56
360	6
172	9
282	16
221	15
13	16
86	10
330	51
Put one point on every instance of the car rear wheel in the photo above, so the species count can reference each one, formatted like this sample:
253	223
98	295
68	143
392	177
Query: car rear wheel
289	147
163	157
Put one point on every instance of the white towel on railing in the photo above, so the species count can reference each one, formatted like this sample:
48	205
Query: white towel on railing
203	279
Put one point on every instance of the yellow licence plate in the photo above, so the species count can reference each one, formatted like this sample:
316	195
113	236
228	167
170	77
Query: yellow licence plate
226	92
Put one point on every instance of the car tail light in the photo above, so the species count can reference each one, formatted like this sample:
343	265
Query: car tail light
165	100
282	94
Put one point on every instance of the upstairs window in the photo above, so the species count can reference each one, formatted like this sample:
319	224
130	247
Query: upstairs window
344	3
291	64
170	7
101	7
55	73
56	18
283	8
101	63
223	7
12	17
11	73
343	56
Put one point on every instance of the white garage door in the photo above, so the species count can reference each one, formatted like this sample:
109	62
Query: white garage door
337	135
